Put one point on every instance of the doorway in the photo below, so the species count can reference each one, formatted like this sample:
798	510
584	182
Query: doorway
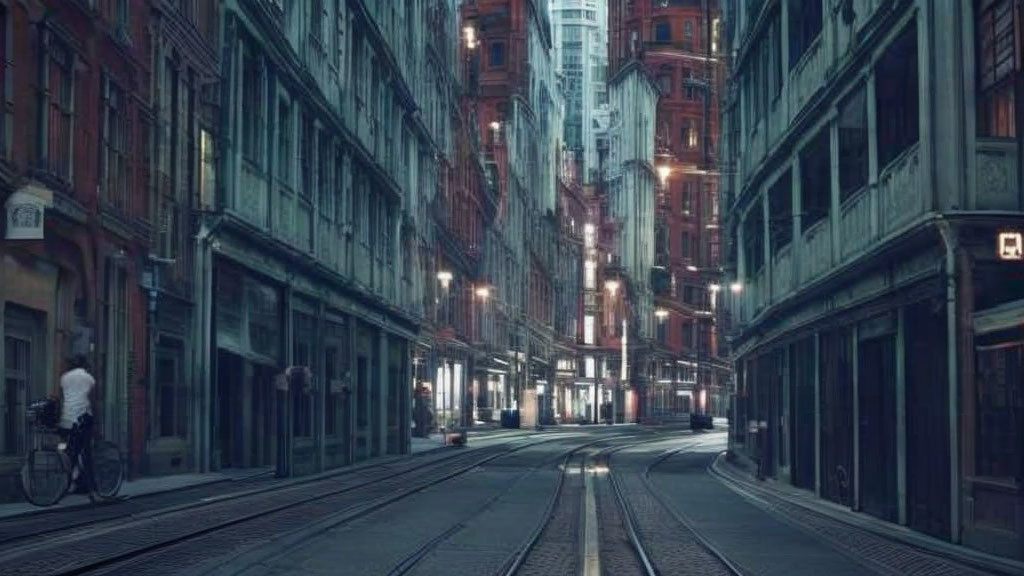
23	355
876	429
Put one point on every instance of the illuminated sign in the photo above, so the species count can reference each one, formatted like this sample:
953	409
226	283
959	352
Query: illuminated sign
1011	246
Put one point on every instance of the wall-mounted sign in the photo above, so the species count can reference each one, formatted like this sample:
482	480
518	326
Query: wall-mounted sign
1010	246
25	209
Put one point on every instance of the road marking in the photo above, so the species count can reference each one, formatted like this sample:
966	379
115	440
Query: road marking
591	545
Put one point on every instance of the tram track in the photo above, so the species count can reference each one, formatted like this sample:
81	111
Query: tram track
649	520
342	498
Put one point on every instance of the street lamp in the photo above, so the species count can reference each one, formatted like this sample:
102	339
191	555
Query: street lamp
611	286
483	292
661	313
445	277
663	173
470	34
736	287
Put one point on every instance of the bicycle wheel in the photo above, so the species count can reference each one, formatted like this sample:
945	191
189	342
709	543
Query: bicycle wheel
107	471
44	477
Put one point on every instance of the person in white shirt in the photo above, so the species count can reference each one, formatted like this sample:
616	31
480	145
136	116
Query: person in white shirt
77	389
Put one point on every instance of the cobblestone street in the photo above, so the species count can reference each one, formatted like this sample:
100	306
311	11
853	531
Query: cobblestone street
619	500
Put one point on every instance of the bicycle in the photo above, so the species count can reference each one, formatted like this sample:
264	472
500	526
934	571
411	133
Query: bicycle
50	464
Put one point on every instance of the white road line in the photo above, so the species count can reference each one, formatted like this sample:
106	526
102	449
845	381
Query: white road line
591	544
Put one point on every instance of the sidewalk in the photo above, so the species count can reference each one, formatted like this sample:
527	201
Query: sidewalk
782	494
139	487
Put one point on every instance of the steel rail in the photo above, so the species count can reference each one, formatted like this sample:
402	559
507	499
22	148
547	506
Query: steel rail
348	514
413	559
70	524
680	518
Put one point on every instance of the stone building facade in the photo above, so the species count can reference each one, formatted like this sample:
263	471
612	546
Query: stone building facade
874	212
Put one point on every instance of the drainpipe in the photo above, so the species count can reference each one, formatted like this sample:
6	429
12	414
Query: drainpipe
951	243
201	354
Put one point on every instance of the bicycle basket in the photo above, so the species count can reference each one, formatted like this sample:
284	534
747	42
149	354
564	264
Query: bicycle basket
43	413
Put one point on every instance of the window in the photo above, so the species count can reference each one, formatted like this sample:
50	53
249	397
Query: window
6	85
686	245
207	170
589	367
997	63
323	177
116	137
805	21
688	31
780	212
691	137
59	110
316	21
590	275
284	142
588	329
689	193
252	107
999	440
853	144
753	241
665	82
897	97
815	180
496	57
662	32
306	158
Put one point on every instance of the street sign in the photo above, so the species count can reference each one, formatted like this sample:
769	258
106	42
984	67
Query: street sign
1010	246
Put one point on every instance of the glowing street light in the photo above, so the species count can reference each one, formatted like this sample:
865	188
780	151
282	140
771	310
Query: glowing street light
714	288
663	173
445	277
470	33
483	292
691	268
661	313
611	286
736	287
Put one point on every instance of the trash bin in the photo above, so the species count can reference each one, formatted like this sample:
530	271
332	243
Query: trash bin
510	418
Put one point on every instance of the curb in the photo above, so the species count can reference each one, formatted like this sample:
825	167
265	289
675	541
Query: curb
899	533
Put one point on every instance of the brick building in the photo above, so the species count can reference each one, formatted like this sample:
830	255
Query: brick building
678	44
77	232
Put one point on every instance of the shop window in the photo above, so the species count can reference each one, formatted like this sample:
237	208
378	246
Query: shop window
897	97
853	144
999	437
996	36
780	212
815	180
172	415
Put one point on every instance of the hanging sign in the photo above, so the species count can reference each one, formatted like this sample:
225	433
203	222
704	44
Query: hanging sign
24	210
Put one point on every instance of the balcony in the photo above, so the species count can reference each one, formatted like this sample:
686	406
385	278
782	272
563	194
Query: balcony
782	273
816	255
855	224
808	76
900	198
995	182
251	195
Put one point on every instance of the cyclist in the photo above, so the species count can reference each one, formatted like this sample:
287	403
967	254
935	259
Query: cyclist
77	388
